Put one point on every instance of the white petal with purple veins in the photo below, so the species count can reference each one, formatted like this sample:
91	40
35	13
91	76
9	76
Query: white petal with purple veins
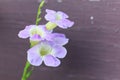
59	39
50	11
33	56
29	27
52	61
62	14
34	59
23	34
26	32
65	23
59	51
50	15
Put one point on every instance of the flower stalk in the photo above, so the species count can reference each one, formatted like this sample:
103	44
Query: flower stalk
28	68
24	77
38	18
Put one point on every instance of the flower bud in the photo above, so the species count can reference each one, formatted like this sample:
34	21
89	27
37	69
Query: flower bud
51	26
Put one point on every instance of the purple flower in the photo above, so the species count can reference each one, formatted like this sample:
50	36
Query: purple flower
46	52
59	18
36	33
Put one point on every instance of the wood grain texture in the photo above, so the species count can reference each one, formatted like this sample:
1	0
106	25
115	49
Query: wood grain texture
93	50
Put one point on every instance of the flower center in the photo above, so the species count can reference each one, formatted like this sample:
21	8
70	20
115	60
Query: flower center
36	30
45	49
58	17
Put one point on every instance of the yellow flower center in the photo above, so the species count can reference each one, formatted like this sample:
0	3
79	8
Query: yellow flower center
36	30
45	49
58	17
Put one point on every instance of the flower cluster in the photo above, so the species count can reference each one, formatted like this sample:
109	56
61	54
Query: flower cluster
47	46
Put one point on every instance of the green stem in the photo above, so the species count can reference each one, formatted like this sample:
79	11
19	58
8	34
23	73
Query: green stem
27	66
38	18
28	69
30	72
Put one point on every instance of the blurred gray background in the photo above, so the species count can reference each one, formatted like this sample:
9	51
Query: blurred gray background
93	49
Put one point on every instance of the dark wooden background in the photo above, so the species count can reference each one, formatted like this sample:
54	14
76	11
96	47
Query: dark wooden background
93	50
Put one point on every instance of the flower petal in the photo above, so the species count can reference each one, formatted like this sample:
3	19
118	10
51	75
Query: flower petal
65	23
52	61
50	11
51	15
33	56
29	27
59	51
62	14
23	34
59	39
